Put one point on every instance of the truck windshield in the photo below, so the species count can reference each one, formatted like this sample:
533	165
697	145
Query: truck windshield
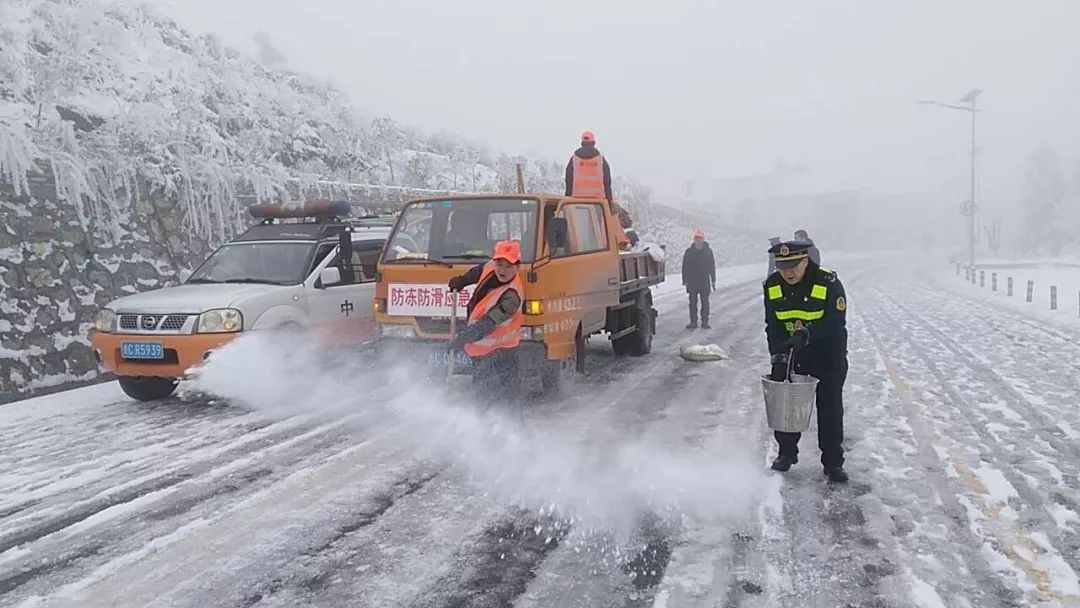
273	263
462	229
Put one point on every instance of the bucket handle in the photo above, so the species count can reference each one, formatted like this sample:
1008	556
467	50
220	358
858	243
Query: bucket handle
790	363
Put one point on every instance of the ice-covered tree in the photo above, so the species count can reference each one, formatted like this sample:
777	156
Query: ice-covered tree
267	53
1044	193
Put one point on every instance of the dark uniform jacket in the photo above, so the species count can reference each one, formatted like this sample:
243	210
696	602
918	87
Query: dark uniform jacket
819	303
698	269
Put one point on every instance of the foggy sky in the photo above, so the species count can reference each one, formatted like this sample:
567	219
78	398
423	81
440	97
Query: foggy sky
686	88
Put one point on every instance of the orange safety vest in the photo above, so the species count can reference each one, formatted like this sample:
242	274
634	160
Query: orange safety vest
588	177
506	334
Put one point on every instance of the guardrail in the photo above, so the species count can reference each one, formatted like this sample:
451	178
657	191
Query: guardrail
975	275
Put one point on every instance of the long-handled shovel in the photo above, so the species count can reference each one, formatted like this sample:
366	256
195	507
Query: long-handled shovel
453	336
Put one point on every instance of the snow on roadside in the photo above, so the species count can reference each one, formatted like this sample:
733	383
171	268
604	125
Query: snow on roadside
63	403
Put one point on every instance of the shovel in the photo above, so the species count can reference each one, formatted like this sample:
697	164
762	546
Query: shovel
453	335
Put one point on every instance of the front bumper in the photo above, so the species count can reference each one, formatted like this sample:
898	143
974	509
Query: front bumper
531	355
182	352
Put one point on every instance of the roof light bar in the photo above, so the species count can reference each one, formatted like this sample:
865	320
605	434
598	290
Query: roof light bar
306	209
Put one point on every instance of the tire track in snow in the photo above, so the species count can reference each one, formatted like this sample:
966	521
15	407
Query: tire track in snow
196	494
942	540
307	500
628	572
61	512
1031	553
720	563
476	553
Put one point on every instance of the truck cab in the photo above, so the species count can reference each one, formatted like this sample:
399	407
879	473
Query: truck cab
302	266
577	281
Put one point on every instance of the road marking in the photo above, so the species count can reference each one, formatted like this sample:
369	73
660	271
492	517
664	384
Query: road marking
1017	546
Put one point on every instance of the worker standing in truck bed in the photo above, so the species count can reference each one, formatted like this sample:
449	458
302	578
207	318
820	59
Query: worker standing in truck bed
588	175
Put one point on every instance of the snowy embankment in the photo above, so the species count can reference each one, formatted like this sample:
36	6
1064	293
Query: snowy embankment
1043	274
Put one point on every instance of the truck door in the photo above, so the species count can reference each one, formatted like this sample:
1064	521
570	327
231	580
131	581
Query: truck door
592	262
343	309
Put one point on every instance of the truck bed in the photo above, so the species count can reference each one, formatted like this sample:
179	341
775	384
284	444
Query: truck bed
637	271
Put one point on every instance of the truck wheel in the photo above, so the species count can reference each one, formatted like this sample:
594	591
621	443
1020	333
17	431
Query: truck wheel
638	343
146	388
555	373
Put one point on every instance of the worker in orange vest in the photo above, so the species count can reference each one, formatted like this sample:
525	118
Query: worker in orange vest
494	315
588	175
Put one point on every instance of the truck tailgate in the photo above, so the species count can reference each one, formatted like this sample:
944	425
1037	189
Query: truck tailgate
637	271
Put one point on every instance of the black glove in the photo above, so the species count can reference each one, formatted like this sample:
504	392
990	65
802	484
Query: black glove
779	368
798	340
457	283
475	331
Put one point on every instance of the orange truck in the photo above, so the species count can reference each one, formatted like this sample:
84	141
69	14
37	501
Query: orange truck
577	281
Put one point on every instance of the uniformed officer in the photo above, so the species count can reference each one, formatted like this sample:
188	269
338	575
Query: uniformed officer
805	308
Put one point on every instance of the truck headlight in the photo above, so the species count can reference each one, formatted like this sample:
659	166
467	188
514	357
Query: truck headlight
397	331
220	320
106	320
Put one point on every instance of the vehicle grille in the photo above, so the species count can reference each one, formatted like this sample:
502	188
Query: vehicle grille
434	326
153	323
173	322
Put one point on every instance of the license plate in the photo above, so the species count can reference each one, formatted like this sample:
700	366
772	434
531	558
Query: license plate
442	359
142	350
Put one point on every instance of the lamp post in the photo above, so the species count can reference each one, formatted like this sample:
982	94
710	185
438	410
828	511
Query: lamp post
968	208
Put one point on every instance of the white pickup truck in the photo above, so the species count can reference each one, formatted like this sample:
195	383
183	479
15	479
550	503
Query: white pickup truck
274	275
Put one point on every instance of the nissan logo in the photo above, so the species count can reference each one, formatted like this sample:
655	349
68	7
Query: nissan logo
149	322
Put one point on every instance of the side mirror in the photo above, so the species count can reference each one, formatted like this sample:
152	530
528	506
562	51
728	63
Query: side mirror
184	274
557	233
329	276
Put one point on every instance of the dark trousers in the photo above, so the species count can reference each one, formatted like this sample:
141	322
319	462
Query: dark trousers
830	416
496	375
703	296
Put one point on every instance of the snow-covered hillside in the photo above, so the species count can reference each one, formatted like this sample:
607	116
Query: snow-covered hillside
116	96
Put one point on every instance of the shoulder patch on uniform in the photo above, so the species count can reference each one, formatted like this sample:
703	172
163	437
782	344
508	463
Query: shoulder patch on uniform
841	304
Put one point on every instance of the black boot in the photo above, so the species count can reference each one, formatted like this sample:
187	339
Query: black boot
837	474
692	325
705	325
783	462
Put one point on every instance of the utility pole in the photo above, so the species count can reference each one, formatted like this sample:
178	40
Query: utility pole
969	207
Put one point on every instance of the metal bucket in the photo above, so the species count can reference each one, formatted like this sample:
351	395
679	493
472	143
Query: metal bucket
788	405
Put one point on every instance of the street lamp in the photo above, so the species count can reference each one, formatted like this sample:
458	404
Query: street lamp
967	209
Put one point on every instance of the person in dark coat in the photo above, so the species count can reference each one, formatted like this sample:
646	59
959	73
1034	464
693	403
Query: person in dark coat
773	241
806	328
803	237
699	278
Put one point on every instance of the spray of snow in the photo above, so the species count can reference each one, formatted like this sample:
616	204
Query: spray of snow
605	484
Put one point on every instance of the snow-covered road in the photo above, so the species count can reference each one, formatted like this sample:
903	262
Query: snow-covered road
315	484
